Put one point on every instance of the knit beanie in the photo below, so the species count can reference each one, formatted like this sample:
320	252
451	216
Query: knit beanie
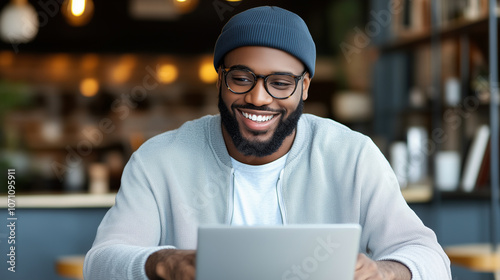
267	26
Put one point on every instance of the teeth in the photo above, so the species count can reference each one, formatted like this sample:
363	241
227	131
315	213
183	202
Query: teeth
258	118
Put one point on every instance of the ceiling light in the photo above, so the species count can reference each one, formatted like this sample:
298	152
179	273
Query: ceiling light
185	6
153	10
18	22
78	12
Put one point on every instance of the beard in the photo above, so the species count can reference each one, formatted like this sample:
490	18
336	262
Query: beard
258	148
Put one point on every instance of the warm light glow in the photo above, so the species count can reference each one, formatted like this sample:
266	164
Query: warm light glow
207	72
185	6
122	72
167	73
89	87
136	140
77	7
78	12
233	0
18	22
6	58
90	62
59	65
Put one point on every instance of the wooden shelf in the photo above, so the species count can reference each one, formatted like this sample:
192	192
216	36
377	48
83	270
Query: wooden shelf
452	29
412	194
477	257
417	193
70	266
79	200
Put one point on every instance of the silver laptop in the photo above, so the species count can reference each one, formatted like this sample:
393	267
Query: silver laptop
294	252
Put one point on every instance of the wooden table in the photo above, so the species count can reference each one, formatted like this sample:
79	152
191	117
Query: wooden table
70	266
477	257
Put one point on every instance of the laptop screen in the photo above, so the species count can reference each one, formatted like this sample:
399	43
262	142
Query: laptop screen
292	252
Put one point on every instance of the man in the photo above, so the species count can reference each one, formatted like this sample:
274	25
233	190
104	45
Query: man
259	162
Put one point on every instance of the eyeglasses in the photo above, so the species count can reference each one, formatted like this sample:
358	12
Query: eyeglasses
279	86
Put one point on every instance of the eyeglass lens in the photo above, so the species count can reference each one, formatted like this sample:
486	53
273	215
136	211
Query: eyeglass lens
278	85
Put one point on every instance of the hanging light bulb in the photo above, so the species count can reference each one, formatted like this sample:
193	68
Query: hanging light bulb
18	22
185	6
77	7
78	12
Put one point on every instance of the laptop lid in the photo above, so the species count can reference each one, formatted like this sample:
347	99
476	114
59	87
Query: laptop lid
293	252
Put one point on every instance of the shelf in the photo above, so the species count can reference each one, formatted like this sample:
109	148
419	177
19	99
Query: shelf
478	257
423	194
77	200
412	194
452	29
417	194
70	266
83	200
461	195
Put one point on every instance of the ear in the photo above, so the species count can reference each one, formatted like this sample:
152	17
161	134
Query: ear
219	78
306	82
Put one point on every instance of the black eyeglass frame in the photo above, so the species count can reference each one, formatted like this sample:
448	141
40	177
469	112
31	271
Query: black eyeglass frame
226	70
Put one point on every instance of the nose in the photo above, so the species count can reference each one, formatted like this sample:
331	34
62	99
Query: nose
258	96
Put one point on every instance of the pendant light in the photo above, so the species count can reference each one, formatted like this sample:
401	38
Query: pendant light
185	6
78	12
18	22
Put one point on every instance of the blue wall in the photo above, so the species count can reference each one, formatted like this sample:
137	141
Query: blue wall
458	222
42	235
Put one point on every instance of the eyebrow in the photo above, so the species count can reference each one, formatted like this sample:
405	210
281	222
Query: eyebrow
244	67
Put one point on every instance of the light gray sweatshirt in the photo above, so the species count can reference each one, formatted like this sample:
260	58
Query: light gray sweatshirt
183	178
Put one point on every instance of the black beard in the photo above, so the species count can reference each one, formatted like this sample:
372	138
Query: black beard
256	148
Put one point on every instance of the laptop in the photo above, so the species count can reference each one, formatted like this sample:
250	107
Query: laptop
294	252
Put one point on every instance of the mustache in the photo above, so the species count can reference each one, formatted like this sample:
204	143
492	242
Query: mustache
256	108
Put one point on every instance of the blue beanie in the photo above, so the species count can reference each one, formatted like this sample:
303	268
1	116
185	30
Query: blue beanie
267	26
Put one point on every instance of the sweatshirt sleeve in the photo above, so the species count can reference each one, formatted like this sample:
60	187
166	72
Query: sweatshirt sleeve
391	230
129	232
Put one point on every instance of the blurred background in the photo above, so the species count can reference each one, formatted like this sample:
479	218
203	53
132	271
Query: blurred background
95	89
83	83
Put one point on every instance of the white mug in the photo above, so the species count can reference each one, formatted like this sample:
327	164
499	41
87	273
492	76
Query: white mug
447	170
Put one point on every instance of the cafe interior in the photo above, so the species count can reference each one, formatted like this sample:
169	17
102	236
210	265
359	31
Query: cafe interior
84	83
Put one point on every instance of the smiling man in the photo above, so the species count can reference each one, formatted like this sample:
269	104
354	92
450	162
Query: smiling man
260	112
260	162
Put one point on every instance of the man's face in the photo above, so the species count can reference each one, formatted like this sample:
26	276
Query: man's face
257	123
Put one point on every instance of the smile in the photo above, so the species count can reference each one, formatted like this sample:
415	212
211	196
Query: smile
257	118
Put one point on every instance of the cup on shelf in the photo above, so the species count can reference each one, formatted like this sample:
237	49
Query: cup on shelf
99	178
447	170
399	162
452	92
418	154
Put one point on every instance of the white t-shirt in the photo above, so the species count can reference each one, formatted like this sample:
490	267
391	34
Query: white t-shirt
255	193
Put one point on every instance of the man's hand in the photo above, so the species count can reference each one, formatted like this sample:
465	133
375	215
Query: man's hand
170	264
368	269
